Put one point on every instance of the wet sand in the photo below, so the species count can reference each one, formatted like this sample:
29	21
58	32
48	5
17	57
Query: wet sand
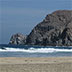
53	64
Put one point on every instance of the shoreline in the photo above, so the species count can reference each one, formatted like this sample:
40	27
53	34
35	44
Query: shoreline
10	45
35	64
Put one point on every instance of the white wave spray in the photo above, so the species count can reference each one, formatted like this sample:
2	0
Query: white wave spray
35	50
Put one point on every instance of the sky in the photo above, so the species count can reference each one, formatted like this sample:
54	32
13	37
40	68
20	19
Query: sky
21	16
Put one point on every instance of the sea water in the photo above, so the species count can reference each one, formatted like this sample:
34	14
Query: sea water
34	51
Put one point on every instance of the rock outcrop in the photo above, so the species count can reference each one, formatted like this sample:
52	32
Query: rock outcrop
18	39
54	30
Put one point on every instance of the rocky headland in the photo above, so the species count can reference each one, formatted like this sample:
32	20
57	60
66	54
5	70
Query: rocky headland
18	39
54	30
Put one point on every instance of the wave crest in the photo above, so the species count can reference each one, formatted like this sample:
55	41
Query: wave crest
35	50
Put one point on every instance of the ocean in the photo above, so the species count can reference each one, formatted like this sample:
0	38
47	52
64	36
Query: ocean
34	51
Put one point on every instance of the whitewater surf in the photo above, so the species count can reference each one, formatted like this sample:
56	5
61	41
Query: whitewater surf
33	51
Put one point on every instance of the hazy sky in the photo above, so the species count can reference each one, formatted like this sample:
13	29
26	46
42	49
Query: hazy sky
22	15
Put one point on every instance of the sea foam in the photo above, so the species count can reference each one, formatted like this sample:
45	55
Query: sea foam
34	50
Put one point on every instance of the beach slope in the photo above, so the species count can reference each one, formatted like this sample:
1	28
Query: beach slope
54	64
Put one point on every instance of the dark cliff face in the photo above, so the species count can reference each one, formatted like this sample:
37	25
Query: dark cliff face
18	39
54	30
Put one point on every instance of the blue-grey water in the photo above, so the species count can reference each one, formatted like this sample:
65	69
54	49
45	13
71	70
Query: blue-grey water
34	51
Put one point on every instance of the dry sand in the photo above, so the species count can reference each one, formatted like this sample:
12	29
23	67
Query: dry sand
54	64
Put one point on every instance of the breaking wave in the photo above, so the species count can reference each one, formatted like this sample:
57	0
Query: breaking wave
34	50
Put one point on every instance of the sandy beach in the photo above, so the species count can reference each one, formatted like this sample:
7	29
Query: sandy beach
53	64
